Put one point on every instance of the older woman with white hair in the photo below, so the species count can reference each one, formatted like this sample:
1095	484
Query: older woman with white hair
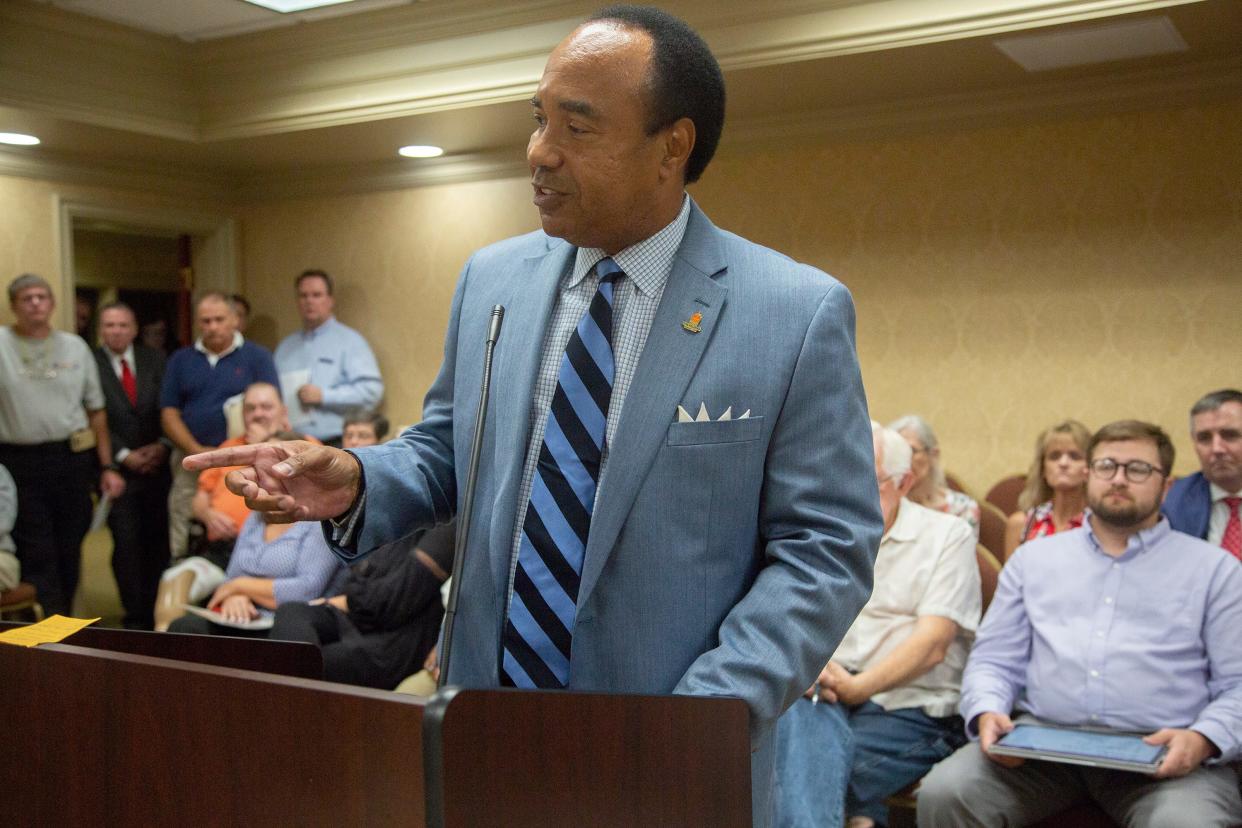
930	488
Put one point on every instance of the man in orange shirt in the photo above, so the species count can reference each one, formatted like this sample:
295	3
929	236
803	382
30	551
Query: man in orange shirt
222	513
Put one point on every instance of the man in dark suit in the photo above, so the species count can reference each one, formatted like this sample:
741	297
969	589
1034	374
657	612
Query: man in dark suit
130	374
1206	503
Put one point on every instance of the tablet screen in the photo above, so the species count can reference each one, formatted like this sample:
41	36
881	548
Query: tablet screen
1121	747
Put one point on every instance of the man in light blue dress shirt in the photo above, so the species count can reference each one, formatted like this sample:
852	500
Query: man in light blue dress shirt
332	367
1124	623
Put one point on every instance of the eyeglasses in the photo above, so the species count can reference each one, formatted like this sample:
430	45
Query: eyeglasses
1137	471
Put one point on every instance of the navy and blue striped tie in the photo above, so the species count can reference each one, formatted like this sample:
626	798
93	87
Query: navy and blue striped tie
540	627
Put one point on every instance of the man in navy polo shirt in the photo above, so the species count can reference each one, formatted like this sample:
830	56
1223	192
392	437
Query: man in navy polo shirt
197	382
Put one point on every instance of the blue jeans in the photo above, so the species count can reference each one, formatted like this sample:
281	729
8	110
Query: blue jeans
834	761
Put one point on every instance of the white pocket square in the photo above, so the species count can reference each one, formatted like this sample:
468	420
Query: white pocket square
683	416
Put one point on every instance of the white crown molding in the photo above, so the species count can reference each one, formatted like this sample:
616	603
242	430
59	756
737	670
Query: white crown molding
385	175
155	179
1148	89
426	57
1140	90
93	71
791	33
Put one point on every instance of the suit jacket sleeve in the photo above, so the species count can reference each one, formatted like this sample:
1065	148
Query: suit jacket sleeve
410	481
820	526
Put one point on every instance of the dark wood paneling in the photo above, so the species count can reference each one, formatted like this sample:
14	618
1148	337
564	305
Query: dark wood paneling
285	658
101	738
518	758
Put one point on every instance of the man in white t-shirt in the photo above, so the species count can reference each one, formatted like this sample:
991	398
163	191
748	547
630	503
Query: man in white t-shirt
54	441
883	711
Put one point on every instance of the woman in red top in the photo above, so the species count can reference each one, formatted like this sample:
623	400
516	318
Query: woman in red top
1056	486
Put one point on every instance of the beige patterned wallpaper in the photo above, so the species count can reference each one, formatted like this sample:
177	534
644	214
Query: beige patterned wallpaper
1005	277
395	258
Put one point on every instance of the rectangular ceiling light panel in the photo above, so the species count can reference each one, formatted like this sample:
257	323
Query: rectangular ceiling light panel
1093	44
288	6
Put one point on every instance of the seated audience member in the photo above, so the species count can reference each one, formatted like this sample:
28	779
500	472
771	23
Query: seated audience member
382	625
1056	486
1206	503
384	622
886	706
221	512
10	569
929	487
1123	623
272	563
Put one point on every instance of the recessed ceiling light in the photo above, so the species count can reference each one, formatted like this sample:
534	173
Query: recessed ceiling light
18	139
288	6
421	151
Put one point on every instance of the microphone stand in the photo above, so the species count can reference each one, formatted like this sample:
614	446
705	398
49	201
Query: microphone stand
467	505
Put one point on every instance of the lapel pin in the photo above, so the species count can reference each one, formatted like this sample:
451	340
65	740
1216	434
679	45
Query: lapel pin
692	324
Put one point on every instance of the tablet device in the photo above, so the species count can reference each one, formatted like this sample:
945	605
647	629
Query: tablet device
1093	747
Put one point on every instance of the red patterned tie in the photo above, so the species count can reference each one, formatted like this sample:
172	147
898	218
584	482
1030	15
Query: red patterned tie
1232	540
131	388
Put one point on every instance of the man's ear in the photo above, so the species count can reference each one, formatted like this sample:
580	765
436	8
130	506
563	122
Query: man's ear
678	144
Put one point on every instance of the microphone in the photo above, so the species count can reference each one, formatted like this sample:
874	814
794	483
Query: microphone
467	507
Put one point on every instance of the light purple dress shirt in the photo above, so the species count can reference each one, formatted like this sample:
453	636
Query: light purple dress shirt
1147	640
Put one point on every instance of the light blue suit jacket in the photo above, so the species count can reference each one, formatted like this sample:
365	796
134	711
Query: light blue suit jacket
725	558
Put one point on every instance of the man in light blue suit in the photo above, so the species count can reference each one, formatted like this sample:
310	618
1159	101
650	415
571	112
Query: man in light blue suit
729	488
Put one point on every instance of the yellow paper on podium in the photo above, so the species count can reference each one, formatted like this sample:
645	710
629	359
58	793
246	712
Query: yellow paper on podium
48	631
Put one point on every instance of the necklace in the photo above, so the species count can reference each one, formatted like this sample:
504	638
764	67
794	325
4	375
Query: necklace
36	359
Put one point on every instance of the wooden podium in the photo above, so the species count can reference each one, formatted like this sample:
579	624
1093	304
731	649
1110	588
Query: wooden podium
108	737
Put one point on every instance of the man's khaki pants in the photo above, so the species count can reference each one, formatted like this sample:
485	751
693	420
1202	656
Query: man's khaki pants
184	485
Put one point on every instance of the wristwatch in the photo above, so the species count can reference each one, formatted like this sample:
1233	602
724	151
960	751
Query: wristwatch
116	467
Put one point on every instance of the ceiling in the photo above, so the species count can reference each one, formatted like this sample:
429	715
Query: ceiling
213	97
192	20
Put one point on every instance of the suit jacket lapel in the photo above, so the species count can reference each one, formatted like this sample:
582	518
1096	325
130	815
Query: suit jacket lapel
669	359
528	311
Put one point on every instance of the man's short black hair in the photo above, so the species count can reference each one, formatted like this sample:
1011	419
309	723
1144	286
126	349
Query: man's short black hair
685	81
315	273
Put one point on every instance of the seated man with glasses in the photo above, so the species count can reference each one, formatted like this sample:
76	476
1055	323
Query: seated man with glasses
1123	623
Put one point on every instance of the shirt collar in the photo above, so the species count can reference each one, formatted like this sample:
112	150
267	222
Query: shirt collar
238	339
905	527
647	263
320	329
1219	494
127	355
1143	541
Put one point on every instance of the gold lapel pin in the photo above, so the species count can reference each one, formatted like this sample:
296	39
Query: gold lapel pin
692	324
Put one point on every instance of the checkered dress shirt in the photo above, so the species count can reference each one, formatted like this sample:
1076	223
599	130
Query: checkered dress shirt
646	266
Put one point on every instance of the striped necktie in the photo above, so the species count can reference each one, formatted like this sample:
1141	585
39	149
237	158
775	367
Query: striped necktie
1231	541
539	630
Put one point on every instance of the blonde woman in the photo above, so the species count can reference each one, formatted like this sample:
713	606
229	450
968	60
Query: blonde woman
1055	496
